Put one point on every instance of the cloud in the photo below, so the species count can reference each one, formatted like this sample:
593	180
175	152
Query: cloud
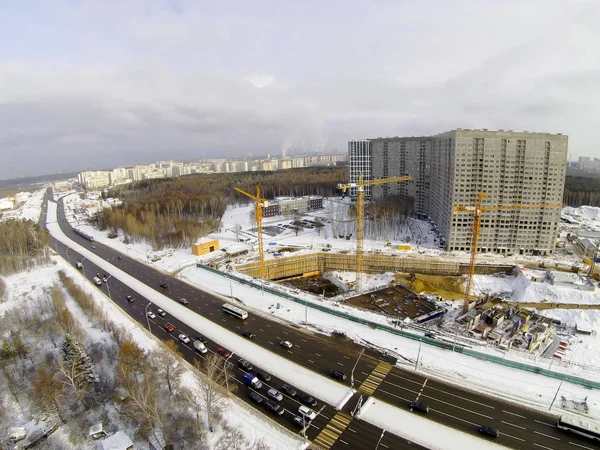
126	82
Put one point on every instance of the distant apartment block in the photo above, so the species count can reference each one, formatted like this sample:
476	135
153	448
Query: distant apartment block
94	180
289	205
511	168
587	163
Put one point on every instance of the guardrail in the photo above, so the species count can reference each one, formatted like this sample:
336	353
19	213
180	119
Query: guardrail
440	344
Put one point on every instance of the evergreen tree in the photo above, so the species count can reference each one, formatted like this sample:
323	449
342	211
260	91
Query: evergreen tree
76	366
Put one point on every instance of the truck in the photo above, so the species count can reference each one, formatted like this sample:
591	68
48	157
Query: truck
252	381
200	347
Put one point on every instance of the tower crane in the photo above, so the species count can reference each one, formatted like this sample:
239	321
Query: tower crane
477	211
360	210
260	202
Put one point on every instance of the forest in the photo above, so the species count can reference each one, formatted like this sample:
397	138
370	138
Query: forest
176	212
581	190
23	245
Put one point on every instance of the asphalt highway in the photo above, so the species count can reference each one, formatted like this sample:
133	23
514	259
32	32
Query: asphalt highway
374	373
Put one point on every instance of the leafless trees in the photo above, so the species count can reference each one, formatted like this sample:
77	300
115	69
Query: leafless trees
23	245
214	385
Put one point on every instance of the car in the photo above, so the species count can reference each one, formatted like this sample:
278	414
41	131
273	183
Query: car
306	412
300	421
307	399
169	327
94	247
202	339
275	395
243	364
489	431
98	274
161	313
288	390
164	285
264	376
119	257
224	353
183	301
248	334
286	344
151	315
273	407
255	397
336	373
419	406
183	338
130	298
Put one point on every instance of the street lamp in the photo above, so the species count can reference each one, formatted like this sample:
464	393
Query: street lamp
380	438
355	364
108	287
148	318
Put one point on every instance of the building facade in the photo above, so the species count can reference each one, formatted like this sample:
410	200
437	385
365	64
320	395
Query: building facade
511	168
359	154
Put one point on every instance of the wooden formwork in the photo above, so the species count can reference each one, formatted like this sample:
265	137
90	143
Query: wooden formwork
286	267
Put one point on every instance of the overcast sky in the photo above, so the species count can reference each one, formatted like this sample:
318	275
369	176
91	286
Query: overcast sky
97	84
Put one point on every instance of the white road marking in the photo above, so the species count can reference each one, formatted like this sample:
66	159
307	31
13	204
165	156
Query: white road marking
514	437
343	442
462	398
457	418
401	387
458	407
316	354
544	423
513	425
543	446
304	340
345	356
310	361
340	364
393	395
383	445
350	429
579	445
547	435
514	414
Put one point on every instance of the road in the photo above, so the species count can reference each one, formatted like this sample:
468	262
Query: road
451	405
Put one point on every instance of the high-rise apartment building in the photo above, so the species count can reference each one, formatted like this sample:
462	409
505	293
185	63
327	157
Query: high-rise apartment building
511	168
359	155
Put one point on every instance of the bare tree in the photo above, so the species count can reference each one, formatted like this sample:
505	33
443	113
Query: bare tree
47	390
214	385
167	365
231	439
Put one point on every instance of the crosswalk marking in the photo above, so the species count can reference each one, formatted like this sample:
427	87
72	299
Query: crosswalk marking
375	378
333	430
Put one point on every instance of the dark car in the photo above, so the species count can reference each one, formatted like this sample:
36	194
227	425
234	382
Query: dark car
119	257
307	399
300	421
264	376
248	334
130	298
336	373
419	406
288	390
164	285
202	339
274	408
489	431
256	398
183	301
243	364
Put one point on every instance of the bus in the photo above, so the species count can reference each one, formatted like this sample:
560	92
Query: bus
576	425
235	311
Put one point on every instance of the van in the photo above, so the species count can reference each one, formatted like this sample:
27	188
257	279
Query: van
200	347
307	413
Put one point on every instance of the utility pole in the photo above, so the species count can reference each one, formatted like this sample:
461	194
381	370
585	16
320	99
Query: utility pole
556	395
379	441
418	355
108	287
355	364
148	318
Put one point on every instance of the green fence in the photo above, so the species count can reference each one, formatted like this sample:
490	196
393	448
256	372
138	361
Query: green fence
444	345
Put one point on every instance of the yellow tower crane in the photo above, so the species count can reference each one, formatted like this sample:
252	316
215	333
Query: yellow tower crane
477	211
260	202
360	211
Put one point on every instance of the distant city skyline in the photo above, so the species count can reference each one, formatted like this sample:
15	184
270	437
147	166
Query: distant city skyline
101	84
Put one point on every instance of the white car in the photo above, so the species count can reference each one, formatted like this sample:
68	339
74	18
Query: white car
183	338
286	344
161	313
151	315
307	413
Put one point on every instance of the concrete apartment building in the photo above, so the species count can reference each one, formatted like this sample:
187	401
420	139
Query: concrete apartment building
587	163
359	156
511	168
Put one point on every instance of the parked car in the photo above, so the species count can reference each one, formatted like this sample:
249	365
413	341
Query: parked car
164	285
300	421
243	364
288	390
130	298
273	407
151	315
183	338
183	301
489	431
200	347
419	406
255	397
286	344
202	339
119	257
336	373
224	353
248	334
306	412
307	399
275	395
169	327
264	376
161	313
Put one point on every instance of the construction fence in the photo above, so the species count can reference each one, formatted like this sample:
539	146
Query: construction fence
286	267
399	332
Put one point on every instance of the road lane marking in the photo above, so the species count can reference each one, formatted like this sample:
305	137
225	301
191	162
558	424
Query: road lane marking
514	414
579	445
304	340
458	407
340	364
401	387
514	437
383	445
343	442
310	361
316	354
350	429
260	329
346	357
457	418
547	435
513	425
462	398
543	446
544	423
394	395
